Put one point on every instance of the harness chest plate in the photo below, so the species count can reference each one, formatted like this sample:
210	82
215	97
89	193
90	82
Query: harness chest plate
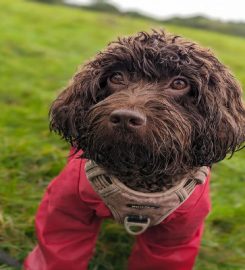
138	210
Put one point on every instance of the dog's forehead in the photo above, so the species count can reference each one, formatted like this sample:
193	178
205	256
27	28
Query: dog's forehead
161	45
155	55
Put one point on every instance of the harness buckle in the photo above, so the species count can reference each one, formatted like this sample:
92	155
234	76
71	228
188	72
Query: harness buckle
136	224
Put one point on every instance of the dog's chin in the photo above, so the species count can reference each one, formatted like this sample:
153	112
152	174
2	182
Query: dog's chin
135	165
123	160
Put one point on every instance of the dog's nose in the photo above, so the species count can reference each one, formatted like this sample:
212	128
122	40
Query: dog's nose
127	118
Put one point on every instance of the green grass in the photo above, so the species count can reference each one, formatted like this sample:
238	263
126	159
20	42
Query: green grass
40	49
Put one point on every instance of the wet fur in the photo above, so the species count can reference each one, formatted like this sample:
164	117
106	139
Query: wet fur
184	130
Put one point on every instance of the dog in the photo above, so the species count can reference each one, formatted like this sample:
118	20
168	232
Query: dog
149	110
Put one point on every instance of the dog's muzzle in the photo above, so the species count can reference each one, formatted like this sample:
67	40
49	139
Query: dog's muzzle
138	210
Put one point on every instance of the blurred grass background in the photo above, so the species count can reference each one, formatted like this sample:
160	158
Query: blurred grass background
40	48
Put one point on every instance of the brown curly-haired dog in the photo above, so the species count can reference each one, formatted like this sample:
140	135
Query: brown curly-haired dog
150	108
154	111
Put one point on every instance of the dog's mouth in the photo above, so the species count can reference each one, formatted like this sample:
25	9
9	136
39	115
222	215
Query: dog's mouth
135	165
121	158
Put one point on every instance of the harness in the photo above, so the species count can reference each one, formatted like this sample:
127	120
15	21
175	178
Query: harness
139	210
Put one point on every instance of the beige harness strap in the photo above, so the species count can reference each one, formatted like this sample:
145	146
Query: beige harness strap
138	210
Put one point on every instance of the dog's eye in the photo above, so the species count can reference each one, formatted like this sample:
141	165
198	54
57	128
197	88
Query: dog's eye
117	78
178	84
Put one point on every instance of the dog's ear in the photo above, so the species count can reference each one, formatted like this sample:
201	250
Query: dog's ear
224	113
68	110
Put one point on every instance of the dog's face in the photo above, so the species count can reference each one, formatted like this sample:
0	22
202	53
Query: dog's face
152	105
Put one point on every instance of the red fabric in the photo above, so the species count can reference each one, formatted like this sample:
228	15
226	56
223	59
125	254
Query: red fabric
69	217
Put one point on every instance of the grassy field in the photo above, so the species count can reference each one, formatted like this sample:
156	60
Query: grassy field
40	48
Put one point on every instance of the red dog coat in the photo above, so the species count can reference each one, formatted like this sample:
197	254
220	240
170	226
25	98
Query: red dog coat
70	215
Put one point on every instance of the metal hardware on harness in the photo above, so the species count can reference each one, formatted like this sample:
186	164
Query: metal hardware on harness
136	224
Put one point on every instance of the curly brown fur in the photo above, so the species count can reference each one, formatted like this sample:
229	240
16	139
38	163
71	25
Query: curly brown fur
185	129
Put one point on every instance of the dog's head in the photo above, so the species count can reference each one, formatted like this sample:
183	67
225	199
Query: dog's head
152	104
